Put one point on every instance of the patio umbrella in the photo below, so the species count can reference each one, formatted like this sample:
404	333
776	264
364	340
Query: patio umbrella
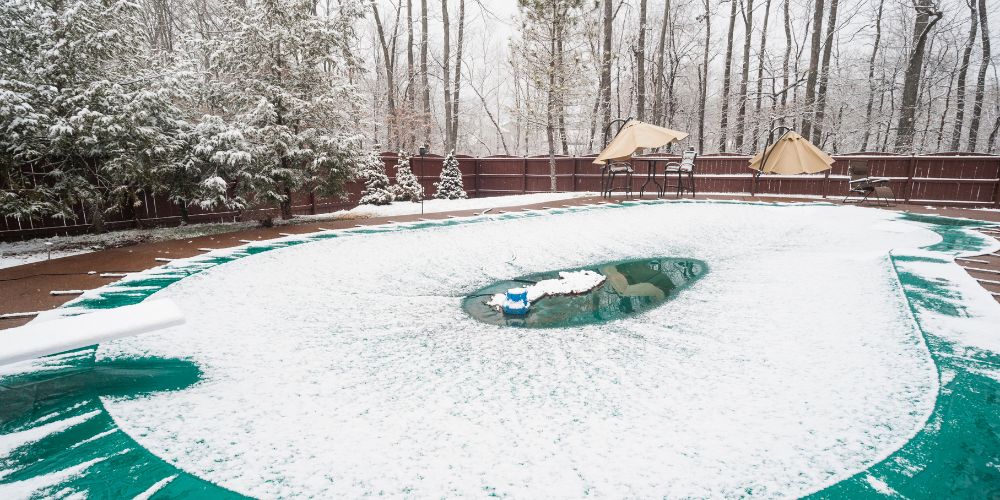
791	154
636	135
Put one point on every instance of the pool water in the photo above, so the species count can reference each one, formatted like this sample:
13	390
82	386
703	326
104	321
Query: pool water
631	287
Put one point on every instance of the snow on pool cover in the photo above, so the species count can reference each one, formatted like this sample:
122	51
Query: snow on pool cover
347	367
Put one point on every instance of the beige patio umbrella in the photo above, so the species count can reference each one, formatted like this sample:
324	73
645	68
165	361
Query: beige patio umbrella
792	154
637	135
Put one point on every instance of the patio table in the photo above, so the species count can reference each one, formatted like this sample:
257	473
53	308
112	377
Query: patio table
651	162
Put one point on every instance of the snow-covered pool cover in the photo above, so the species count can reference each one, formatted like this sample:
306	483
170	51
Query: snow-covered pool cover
347	367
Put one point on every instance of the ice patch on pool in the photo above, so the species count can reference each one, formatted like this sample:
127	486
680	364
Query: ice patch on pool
347	366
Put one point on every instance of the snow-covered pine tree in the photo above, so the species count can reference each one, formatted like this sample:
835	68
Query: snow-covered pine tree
82	109
281	71
450	186
407	187
372	173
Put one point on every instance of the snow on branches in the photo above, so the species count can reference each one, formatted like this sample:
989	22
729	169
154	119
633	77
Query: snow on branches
450	186
376	189
407	187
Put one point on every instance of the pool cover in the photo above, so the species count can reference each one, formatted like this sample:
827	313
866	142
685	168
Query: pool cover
388	390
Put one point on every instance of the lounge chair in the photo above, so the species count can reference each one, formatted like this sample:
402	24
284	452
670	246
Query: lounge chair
862	183
684	170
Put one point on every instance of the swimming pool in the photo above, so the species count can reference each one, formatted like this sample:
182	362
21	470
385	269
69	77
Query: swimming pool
347	366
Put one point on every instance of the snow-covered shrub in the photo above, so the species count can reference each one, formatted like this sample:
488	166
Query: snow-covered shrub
450	186
371	172
407	187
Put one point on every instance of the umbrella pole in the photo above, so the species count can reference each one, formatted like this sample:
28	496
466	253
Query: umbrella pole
767	153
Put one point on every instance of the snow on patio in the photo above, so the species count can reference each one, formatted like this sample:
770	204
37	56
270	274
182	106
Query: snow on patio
347	366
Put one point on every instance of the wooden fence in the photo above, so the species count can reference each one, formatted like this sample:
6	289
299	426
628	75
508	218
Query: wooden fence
951	179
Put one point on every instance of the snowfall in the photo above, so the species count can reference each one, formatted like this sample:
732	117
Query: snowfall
347	367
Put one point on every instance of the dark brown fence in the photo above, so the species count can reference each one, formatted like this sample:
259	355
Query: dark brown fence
952	179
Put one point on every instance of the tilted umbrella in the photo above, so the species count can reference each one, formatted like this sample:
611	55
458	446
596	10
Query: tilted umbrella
637	135
791	154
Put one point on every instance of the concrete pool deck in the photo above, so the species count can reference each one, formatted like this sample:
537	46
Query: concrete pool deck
27	288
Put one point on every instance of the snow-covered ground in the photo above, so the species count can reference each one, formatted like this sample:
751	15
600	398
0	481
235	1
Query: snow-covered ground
26	252
346	366
437	206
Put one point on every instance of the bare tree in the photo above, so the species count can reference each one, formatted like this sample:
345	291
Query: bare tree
977	107
424	83
640	62
741	113
605	85
963	70
726	79
824	74
761	58
927	16
871	76
457	84
703	75
813	69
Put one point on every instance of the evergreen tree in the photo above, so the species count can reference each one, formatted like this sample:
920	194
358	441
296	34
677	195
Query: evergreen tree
450	186
407	187
372	173
274	68
86	118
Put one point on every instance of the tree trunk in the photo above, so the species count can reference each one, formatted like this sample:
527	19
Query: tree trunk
286	204
741	114
963	70
424	84
926	18
390	81
97	218
993	133
944	114
977	107
411	98
185	217
659	74
605	84
550	105
457	86
703	84
824	74
788	56
640	61
446	76
760	75
561	82
726	78
817	36
871	77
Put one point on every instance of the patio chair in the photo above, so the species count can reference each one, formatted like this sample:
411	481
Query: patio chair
612	170
863	184
684	170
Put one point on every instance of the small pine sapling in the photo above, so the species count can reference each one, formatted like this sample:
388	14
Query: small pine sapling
372	173
450	186
407	187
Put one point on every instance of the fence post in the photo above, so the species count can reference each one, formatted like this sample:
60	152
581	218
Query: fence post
475	177
909	178
996	186
576	166
524	177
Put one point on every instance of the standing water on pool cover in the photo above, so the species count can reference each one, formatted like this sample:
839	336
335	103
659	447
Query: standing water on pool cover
631	287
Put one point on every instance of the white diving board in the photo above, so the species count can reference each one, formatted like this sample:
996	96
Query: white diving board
43	338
